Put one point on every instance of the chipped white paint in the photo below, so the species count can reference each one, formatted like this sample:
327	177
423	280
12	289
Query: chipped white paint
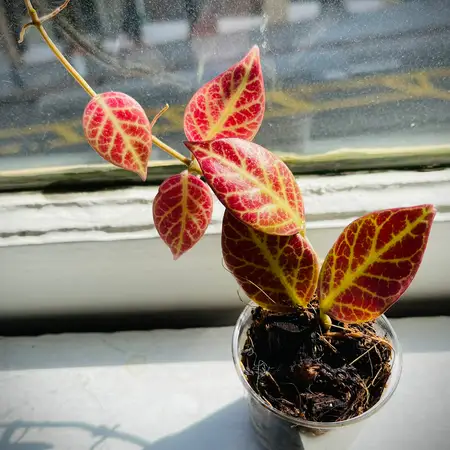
39	218
99	252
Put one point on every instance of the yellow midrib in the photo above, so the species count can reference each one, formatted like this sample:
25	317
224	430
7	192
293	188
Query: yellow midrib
275	267
350	276
230	106
184	210
117	126
262	187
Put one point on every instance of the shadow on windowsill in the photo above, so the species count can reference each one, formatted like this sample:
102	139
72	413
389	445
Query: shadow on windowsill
227	429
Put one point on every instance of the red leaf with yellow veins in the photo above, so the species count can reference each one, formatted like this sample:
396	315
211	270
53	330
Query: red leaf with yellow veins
118	129
230	105
373	262
277	272
182	211
253	183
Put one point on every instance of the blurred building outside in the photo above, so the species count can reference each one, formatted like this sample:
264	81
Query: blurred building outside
211	28
338	74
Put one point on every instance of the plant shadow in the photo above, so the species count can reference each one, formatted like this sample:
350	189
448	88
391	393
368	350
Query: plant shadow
227	429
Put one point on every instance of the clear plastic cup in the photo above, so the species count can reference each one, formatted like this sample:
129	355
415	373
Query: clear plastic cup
276	430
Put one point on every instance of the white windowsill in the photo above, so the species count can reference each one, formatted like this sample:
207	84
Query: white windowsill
171	390
99	252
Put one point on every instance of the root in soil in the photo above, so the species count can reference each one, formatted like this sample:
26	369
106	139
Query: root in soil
308	373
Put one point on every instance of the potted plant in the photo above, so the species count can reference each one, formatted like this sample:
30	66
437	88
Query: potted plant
313	349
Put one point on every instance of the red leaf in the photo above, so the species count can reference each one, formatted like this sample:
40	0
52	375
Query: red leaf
230	105
182	211
253	183
276	272
373	262
118	129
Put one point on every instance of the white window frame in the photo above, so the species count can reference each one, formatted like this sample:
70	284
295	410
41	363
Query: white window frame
98	252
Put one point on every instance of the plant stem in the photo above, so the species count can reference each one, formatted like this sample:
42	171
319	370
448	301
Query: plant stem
37	22
171	151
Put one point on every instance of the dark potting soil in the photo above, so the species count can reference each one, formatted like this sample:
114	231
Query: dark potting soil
308	373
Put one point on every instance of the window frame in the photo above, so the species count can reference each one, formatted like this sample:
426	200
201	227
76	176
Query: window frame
98	252
335	162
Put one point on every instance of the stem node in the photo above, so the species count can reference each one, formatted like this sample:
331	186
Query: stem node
37	22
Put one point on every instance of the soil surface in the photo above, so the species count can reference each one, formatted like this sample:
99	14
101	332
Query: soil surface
309	373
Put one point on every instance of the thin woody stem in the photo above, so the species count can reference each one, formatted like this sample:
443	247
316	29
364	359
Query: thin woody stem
23	31
171	151
163	146
156	118
36	21
54	13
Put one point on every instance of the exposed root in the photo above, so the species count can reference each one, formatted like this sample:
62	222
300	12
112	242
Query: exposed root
357	335
364	354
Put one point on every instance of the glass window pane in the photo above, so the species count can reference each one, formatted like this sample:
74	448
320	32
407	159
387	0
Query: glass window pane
339	74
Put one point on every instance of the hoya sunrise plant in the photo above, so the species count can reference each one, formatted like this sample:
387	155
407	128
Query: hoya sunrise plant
264	240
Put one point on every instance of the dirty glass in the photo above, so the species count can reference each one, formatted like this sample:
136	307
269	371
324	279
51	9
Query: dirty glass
369	77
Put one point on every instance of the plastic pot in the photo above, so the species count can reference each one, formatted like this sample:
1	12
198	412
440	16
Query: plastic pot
276	430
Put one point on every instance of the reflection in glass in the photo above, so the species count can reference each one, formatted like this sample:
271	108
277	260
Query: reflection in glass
339	73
